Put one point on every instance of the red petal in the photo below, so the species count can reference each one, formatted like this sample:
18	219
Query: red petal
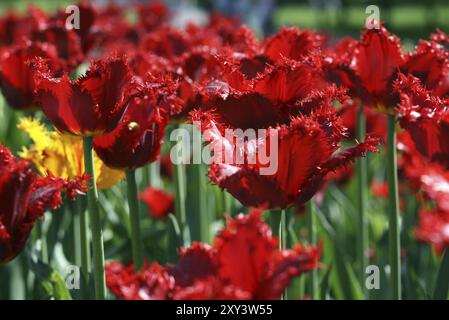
211	288
287	265
195	263
160	203
425	117
152	283
292	43
246	243
377	60
433	228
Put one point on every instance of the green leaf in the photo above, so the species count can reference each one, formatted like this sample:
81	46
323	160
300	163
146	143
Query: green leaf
52	283
442	281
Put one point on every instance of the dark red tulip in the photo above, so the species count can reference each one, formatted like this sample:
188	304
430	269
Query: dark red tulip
89	106
425	117
24	197
292	43
281	91
66	42
159	202
433	228
428	180
305	155
138	137
153	15
205	272
377	59
338	66
15	28
430	64
16	77
86	31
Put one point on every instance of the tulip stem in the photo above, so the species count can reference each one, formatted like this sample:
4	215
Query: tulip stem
282	231
279	227
442	281
133	202
279	230
198	215
84	242
179	179
310	212
393	210
95	221
362	178
43	241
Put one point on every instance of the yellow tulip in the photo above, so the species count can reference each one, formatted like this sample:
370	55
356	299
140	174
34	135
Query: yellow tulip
62	155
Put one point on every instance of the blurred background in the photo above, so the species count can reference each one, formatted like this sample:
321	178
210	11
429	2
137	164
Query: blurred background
409	19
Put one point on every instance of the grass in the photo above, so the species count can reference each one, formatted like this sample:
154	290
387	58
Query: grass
406	20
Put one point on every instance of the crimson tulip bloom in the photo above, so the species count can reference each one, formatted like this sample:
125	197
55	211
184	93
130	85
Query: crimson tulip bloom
286	89
368	68
425	117
315	137
377	59
292	43
14	27
138	138
16	76
430	64
433	228
431	179
89	106
24	197
205	272
159	202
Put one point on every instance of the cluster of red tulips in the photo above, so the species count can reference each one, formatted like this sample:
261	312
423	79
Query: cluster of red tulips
329	103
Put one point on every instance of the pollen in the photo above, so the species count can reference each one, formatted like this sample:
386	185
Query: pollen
133	125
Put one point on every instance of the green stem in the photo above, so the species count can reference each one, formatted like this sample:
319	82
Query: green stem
84	243
43	241
279	227
279	230
133	202
442	282
362	178
95	221
155	174
313	280
197	213
227	202
179	179
393	210
282	231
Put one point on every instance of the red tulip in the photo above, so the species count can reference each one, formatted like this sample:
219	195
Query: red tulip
284	90
292	43
377	59
138	138
16	80
430	64
205	272
153	15
15	28
433	228
160	203
425	117
425	178
305	155
89	106
24	197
